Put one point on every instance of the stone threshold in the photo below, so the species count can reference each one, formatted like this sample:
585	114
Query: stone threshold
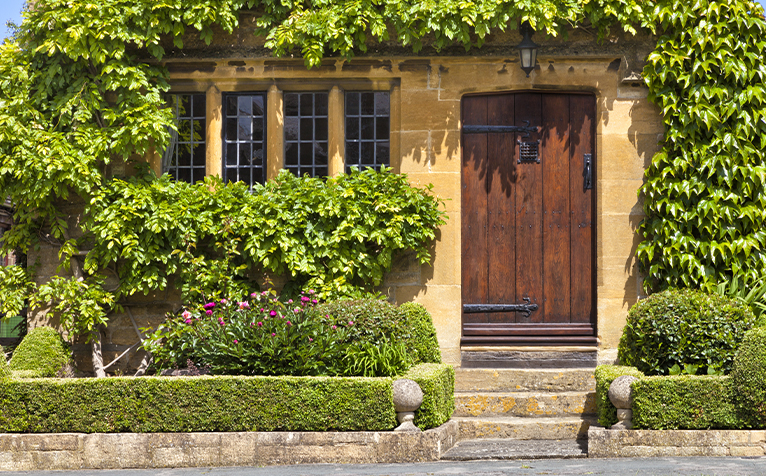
604	443
67	451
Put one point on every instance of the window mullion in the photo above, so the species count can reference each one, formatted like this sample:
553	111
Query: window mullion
275	124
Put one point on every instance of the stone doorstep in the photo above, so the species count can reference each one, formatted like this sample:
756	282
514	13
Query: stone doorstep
67	451
524	404
604	443
507	449
521	380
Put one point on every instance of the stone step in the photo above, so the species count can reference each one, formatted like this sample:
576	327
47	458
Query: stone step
546	428
524	404
524	380
483	449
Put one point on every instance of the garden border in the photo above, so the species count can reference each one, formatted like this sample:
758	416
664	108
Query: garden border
67	451
605	443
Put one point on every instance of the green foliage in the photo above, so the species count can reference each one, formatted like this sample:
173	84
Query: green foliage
153	404
424	345
384	359
748	378
15	287
685	402
5	371
379	321
82	306
42	353
754	296
705	191
684	329
438	384
605	375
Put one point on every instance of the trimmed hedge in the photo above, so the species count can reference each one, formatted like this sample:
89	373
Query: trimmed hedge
186	404
680	327
424	345
605	375
5	371
438	384
42	353
748	378
687	402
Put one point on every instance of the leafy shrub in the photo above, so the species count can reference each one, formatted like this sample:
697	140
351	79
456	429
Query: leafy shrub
605	375
383	359
182	404
377	321
42	353
748	377
438	384
5	371
754	295
684	329
685	402
424	345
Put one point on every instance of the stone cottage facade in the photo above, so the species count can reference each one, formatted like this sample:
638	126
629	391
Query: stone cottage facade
540	174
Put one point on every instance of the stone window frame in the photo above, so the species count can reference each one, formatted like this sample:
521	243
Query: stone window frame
274	90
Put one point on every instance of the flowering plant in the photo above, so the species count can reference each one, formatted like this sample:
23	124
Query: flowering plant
261	335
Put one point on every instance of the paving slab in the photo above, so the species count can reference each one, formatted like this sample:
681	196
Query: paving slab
489	449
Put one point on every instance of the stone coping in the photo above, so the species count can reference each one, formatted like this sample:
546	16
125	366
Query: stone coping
604	443
62	451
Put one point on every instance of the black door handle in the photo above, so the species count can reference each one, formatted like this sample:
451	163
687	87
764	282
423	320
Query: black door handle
587	172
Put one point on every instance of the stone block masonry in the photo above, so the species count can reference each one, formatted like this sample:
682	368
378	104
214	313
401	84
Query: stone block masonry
603	443
69	451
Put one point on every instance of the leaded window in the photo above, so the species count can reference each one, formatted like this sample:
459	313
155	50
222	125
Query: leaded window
184	159
368	126
306	132
244	138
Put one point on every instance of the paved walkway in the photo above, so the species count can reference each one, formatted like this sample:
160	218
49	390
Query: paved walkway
623	466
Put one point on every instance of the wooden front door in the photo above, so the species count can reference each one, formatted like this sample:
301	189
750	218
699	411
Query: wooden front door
527	219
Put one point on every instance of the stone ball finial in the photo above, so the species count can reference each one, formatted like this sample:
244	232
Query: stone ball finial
407	395
407	398
619	391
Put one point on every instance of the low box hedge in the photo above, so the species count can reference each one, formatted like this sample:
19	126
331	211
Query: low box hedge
605	375
438	384
685	402
218	403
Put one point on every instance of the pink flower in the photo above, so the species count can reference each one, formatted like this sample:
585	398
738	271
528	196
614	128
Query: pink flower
350	323
188	321
260	324
311	340
289	323
314	301
186	315
273	334
220	322
297	310
305	298
311	291
224	301
334	327
262	309
236	341
209	305
289	301
244	305
209	312
273	313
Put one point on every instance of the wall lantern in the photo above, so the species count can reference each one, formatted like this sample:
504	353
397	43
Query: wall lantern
527	49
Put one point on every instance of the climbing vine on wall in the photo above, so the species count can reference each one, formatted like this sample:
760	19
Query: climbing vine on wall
81	86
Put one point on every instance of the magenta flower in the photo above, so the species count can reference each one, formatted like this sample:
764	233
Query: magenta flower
260	324
305	298
289	323
220	322
350	323
297	310
188	321
224	301
334	327
311	291
273	334
209	312
273	313
311	340
289	301
252	295
262	309
244	305
209	305
314	301
236	341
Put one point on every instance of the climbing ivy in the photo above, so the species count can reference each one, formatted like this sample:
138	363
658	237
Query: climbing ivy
81	86
705	191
